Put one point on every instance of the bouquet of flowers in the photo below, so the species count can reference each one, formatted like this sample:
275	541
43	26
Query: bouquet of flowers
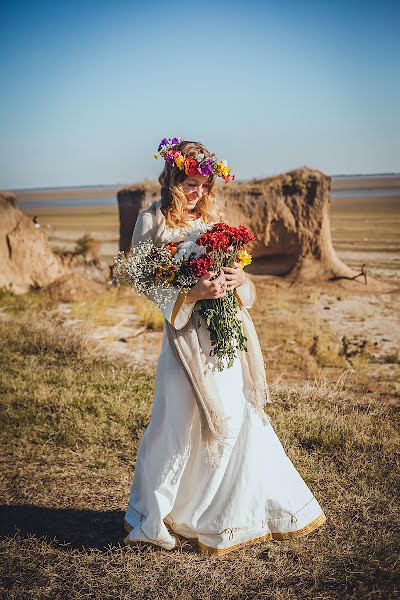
154	270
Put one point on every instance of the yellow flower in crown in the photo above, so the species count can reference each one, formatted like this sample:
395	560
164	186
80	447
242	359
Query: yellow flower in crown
180	162
220	167
225	171
244	258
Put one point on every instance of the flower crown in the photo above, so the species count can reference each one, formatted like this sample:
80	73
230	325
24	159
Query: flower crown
198	165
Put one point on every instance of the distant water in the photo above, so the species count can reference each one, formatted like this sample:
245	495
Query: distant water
362	193
112	201
51	202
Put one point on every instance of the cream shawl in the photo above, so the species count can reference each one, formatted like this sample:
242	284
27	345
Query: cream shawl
191	344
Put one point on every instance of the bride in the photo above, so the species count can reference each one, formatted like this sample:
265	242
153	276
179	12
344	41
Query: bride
248	491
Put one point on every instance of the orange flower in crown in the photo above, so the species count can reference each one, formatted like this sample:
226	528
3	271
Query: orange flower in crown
198	165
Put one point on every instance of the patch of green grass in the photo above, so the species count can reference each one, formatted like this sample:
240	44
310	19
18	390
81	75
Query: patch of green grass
149	314
95	309
326	352
55	390
391	358
17	304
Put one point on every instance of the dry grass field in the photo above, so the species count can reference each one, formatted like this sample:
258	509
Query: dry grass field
71	423
76	386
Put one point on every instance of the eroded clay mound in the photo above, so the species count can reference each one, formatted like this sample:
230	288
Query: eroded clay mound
288	214
26	259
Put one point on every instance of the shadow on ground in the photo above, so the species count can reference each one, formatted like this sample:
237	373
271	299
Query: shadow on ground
78	529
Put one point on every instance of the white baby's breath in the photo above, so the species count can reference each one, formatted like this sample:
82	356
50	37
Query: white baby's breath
137	267
188	249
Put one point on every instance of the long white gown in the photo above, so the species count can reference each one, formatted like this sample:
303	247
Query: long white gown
255	493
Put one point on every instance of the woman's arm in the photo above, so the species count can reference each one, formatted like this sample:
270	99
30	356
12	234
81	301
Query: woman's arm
246	293
175	311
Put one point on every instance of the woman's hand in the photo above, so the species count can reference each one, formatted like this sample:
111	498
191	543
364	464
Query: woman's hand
207	288
234	276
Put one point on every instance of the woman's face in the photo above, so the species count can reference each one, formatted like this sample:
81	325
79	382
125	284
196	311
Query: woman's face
194	188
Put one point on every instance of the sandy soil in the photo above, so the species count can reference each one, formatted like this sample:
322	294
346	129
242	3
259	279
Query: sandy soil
372	323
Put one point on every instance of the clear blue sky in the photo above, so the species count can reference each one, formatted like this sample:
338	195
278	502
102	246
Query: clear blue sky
89	88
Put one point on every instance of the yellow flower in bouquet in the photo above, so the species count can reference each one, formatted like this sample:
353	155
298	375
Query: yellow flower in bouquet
244	258
166	273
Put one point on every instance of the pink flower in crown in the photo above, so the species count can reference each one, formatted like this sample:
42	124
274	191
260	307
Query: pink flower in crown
171	156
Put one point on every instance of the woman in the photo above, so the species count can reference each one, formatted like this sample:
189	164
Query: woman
194	478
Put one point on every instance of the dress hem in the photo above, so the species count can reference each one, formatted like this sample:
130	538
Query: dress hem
278	535
285	535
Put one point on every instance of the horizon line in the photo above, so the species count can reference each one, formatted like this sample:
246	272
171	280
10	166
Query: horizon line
111	185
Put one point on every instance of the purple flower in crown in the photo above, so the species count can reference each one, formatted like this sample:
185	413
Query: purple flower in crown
164	142
170	157
205	167
168	142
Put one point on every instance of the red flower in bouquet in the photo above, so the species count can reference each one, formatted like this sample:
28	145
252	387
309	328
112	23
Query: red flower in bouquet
200	266
222	235
223	227
240	236
225	244
214	241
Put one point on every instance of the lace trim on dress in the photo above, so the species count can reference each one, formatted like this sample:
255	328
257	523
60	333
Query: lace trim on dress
231	530
178	233
269	536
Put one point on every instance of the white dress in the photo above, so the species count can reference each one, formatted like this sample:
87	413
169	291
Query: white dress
255	493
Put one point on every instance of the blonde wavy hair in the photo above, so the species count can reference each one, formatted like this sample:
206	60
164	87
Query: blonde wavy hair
173	199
